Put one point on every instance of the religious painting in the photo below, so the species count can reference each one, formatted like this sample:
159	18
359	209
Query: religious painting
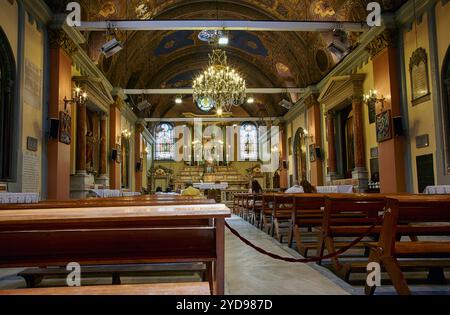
312	153
65	128
420	85
384	126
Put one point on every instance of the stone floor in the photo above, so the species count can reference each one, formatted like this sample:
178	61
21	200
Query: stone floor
248	272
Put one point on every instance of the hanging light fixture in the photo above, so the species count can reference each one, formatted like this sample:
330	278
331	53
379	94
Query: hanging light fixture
220	83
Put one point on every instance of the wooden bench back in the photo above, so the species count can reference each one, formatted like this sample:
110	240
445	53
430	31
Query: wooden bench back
109	202
402	211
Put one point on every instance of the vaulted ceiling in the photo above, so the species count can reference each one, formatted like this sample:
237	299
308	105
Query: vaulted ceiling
266	59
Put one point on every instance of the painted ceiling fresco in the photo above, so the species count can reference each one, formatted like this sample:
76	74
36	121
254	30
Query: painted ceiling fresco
266	59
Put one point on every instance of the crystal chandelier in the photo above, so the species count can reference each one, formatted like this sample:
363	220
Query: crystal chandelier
220	84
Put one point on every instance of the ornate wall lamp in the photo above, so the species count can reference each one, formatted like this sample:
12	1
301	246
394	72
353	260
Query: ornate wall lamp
371	100
79	97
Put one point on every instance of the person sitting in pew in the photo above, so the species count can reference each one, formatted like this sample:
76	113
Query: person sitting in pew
295	189
190	190
307	187
256	187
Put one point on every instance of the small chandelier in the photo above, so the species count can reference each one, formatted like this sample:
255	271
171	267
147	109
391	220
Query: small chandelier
220	84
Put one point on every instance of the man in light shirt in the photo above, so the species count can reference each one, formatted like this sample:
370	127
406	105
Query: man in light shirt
295	189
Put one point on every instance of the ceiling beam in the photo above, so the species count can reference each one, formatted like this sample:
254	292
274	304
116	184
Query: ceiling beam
229	25
191	91
213	119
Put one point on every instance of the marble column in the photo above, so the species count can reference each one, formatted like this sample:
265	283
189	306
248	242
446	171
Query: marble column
360	172
81	138
332	161
138	156
103	179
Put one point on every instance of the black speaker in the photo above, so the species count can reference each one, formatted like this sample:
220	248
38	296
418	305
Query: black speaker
139	166
398	126
319	153
114	154
54	128
285	165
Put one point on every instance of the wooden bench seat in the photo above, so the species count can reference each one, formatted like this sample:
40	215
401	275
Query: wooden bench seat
410	211
33	276
180	289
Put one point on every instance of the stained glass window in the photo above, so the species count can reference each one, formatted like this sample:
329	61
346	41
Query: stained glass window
248	142
165	149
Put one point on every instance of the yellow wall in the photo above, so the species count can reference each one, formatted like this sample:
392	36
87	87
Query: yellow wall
32	114
370	137
421	116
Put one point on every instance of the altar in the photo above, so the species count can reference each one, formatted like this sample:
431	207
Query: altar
211	186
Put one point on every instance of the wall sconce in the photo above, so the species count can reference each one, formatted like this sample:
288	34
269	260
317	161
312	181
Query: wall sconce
126	133
78	97
372	98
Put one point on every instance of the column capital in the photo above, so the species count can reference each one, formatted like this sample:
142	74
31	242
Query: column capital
330	114
387	39
59	39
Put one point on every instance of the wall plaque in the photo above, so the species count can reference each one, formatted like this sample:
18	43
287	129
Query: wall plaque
422	141
32	144
420	85
384	126
312	153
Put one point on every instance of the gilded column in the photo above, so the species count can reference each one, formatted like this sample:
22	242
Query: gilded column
103	145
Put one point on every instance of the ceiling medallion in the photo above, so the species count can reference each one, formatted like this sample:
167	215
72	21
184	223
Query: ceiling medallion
210	36
222	85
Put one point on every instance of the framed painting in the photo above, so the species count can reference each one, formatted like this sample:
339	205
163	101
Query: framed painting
384	126
312	153
65	128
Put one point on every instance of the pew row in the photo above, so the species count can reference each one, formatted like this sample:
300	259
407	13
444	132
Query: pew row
116	235
178	289
415	216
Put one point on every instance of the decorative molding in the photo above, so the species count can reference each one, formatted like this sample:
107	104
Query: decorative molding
340	89
59	39
97	91
387	39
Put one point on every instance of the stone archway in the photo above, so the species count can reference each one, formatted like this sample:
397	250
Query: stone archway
7	88
446	105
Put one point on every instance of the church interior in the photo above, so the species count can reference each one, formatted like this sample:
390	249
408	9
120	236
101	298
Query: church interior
227	147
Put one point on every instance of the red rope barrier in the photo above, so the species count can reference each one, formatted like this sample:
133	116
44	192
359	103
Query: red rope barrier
304	260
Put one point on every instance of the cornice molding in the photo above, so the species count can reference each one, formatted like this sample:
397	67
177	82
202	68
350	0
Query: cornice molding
38	11
405	16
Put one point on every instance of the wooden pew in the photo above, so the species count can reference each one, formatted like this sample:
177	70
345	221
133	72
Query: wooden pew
102	236
110	202
347	216
307	214
283	206
409	215
256	208
178	289
265	222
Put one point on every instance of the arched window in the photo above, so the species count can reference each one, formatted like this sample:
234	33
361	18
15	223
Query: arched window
248	142
7	83
165	142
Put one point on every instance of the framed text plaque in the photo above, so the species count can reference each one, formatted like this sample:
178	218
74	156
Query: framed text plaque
420	84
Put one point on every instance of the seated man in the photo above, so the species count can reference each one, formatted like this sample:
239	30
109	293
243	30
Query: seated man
190	190
295	189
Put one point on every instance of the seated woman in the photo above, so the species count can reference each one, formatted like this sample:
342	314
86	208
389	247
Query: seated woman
307	187
256	187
